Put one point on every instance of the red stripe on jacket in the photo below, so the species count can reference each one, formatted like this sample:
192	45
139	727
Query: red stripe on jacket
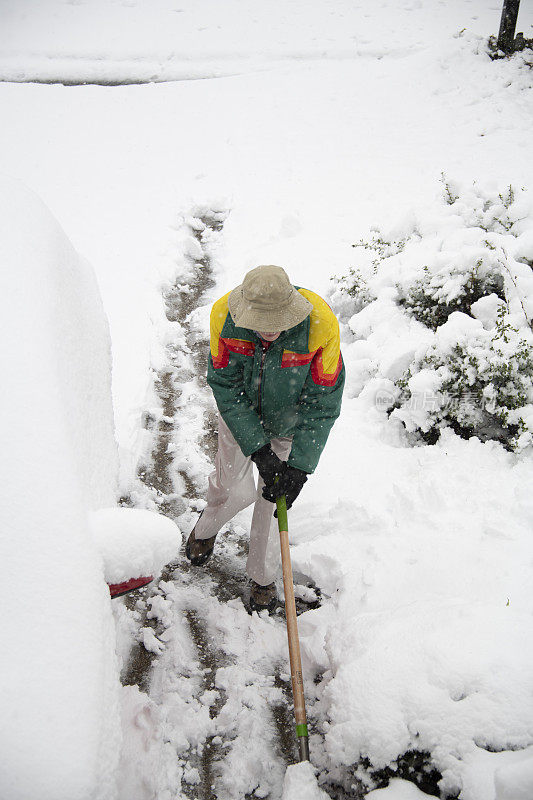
221	360
241	346
290	359
318	375
227	346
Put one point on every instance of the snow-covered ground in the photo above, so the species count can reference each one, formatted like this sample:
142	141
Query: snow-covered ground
138	40
325	120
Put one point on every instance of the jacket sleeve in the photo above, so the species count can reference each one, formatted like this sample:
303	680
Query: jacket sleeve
320	402
225	377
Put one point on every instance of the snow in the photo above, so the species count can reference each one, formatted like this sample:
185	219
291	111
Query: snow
141	746
457	330
55	40
398	790
133	542
431	598
486	309
515	780
60	727
330	122
525	245
134	244
300	783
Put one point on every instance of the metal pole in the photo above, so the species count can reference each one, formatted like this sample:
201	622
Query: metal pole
508	25
292	633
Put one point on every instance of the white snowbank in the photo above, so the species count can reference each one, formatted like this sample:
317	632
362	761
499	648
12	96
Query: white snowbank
300	783
133	543
58	676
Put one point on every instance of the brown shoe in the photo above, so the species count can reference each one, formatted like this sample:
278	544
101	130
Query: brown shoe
263	597
198	551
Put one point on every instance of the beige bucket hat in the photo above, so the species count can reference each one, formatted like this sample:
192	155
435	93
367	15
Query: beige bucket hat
267	301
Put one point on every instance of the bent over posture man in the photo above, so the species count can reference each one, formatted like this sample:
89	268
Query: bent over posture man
277	375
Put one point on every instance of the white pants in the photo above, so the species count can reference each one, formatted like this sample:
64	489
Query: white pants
232	488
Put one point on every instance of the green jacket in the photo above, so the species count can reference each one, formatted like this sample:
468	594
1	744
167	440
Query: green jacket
293	388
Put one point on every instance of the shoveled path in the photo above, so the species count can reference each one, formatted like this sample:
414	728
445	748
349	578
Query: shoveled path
221	679
217	675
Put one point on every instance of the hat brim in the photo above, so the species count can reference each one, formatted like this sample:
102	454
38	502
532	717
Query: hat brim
244	315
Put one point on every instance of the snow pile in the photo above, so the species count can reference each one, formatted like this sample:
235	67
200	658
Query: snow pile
398	790
455	282
453	676
133	542
300	783
57	348
60	725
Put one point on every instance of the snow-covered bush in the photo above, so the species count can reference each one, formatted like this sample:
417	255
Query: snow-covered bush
458	349
383	248
432	298
478	382
351	294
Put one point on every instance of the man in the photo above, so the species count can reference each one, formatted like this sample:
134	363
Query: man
277	375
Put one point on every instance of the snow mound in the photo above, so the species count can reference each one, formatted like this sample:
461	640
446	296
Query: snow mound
398	790
133	542
454	667
60	722
300	783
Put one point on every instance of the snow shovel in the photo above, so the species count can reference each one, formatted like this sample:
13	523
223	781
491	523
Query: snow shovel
119	589
292	632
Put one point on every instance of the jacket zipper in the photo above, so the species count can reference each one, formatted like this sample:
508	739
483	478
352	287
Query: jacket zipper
263	356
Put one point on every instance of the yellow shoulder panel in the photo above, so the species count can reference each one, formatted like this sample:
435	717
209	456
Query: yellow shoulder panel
219	312
323	331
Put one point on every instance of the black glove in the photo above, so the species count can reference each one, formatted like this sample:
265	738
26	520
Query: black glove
290	484
270	467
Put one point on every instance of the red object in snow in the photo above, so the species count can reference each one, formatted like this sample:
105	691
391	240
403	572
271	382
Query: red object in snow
118	589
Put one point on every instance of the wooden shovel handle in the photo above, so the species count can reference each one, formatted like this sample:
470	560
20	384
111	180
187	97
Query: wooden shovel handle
292	628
